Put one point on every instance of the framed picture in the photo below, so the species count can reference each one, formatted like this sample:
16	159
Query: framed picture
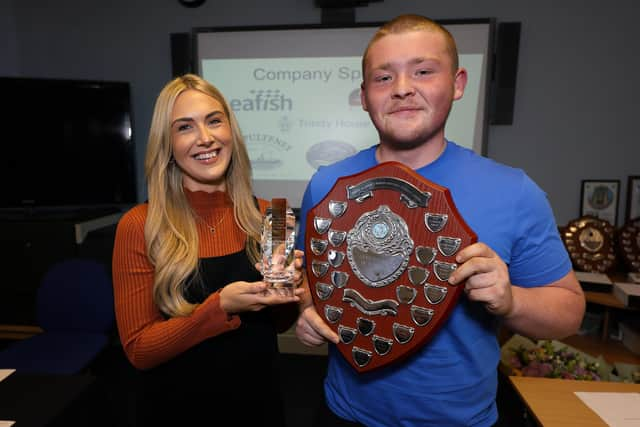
599	198
633	198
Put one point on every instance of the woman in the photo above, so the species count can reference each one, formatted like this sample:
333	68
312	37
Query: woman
191	310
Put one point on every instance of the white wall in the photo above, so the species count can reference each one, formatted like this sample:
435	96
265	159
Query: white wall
576	99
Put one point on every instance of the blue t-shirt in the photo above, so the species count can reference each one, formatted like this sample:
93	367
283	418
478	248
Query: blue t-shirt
452	380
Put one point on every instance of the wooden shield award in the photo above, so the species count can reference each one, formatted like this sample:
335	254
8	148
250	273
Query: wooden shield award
589	242
379	249
629	244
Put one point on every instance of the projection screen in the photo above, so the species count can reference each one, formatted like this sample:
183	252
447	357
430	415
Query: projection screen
296	93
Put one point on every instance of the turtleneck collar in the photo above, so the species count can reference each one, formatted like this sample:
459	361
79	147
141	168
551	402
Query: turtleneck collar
203	200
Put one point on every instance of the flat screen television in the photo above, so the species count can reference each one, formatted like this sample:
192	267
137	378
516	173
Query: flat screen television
66	144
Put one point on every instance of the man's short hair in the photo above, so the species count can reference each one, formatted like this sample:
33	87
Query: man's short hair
408	23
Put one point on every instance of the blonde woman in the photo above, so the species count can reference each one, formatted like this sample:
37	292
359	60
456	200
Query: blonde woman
191	309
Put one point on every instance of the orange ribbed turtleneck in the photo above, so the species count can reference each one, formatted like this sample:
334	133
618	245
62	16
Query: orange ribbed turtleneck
149	339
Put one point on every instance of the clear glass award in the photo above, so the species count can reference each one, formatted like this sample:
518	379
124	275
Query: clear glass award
278	245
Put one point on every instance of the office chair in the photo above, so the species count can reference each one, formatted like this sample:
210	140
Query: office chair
74	307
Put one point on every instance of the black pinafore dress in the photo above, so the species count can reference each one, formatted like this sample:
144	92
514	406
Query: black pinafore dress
230	379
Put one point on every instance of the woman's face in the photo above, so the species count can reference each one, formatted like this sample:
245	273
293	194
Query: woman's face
202	141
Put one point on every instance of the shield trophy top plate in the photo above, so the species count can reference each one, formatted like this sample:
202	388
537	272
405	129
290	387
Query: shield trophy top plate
379	249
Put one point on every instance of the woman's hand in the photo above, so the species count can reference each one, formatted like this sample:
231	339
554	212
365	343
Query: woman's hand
237	297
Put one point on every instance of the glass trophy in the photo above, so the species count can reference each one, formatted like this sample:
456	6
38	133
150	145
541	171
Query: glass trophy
278	245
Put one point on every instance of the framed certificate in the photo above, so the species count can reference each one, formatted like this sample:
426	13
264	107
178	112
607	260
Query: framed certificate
599	198
633	198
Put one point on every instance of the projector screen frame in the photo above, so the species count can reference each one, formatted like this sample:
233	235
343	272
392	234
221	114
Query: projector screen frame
263	186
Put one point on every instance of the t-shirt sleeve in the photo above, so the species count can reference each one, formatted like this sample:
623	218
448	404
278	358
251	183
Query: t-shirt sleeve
538	257
306	205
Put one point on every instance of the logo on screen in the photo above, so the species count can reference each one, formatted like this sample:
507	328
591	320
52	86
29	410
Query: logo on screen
284	124
354	98
262	100
266	151
330	151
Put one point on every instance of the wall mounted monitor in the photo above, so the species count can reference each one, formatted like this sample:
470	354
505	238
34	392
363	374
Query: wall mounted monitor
66	144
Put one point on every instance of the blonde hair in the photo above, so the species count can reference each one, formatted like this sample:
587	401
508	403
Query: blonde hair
408	23
170	231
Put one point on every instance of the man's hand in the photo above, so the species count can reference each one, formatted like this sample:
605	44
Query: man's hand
487	278
312	330
298	264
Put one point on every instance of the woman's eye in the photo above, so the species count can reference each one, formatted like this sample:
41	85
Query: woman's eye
214	122
183	127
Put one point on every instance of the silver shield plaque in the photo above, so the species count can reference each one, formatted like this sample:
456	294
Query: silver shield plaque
379	249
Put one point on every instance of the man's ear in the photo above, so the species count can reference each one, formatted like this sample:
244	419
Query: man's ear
459	83
363	101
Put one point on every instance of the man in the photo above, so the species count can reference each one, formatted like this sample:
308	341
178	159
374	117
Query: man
518	274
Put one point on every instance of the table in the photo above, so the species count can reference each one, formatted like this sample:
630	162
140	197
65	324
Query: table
18	332
552	402
36	400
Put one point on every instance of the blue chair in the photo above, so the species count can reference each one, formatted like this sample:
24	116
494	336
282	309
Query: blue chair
74	307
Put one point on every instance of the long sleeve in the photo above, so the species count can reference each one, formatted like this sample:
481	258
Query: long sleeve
147	337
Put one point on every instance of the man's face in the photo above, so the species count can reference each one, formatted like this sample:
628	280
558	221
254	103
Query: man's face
409	87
